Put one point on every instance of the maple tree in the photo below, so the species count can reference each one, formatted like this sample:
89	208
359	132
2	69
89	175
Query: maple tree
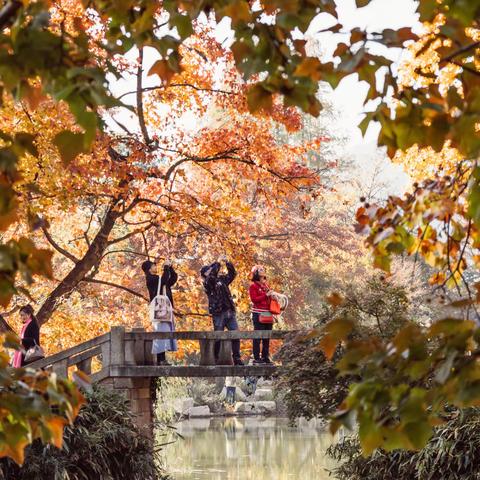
189	196
85	42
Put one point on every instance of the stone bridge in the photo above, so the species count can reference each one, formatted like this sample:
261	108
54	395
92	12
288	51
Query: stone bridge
121	360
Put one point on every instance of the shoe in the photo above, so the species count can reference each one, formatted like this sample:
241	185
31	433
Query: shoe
238	362
258	361
164	363
267	361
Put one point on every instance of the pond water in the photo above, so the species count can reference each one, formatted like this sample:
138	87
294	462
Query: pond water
248	448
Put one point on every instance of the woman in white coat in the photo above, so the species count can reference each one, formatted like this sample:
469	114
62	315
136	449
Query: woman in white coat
168	279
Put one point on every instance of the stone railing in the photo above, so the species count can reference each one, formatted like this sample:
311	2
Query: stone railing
122	353
79	356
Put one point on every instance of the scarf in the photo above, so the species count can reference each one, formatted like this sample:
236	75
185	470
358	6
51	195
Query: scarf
17	357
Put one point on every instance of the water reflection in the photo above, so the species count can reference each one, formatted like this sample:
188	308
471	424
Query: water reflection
248	449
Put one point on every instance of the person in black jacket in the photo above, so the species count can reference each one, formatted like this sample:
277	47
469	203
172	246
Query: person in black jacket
31	333
220	302
169	278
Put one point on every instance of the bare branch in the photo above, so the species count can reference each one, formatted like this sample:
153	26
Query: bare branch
130	234
460	51
139	92
226	155
133	252
179	85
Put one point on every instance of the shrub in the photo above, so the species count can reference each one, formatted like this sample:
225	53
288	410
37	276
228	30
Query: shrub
104	443
453	453
308	383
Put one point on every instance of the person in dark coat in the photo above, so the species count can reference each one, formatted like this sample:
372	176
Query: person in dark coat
168	279
30	335
220	302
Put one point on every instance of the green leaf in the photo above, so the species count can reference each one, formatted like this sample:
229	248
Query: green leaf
70	145
419	433
183	24
370	437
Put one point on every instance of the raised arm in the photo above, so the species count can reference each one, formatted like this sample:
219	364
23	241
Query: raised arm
231	273
209	275
169	277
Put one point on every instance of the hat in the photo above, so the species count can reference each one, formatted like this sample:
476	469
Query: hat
147	265
256	268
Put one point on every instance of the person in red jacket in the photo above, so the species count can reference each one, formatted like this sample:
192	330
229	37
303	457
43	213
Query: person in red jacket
261	316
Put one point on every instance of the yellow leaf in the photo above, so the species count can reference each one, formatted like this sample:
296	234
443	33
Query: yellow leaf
328	344
16	451
55	425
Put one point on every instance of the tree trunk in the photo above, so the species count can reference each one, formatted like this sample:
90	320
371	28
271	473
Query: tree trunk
5	327
91	258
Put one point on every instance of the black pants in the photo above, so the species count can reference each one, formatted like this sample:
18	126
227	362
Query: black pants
264	341
161	357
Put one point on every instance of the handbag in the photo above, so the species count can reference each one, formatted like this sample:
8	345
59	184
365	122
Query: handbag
161	309
275	306
278	303
265	317
34	353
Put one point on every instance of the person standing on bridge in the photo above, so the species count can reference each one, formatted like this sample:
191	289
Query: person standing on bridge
168	279
261	316
220	301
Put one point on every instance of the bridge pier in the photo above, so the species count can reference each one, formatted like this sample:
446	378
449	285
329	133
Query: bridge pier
138	392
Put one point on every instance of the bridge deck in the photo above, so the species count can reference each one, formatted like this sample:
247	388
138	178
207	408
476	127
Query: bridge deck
125	354
193	371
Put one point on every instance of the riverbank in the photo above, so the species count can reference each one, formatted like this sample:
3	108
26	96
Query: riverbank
206	398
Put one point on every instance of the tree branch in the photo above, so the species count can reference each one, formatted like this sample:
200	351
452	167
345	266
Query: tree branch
226	155
130	234
110	252
460	51
57	247
115	285
179	85
465	67
139	92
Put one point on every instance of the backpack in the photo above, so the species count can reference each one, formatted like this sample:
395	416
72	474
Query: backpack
161	309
